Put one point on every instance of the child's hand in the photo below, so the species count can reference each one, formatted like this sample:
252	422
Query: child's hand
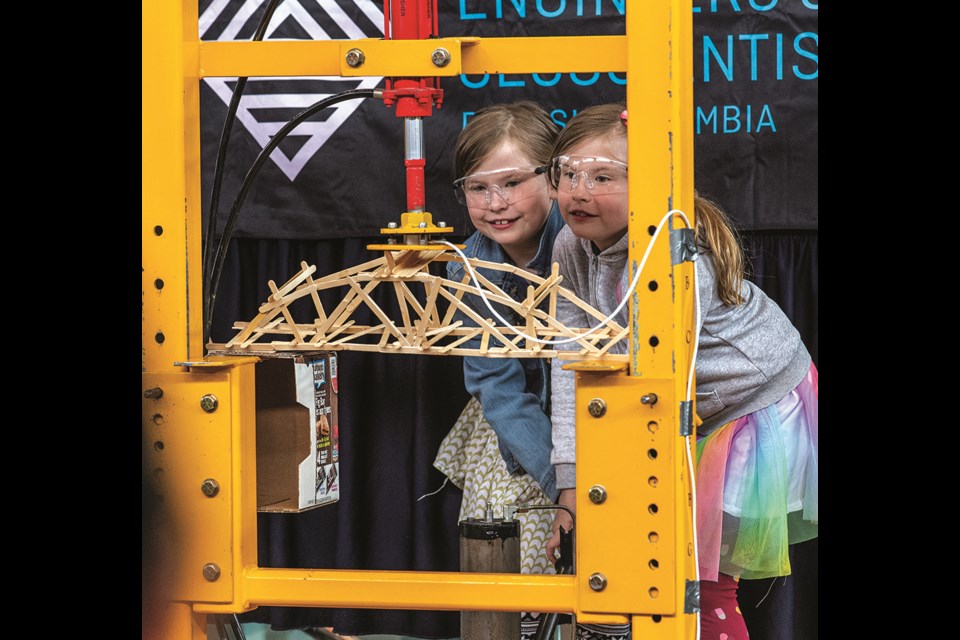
568	498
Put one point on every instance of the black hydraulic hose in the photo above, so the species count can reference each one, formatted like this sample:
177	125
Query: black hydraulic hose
224	141
211	297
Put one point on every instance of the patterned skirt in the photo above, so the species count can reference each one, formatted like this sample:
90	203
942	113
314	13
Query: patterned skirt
757	487
470	456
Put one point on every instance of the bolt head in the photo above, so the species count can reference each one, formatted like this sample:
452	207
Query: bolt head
597	407
209	403
598	582
210	487
597	494
355	57
440	57
211	572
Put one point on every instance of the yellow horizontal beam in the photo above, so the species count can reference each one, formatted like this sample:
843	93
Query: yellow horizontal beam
414	590
414	58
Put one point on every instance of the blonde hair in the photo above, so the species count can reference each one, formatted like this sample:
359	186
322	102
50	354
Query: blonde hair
717	235
525	123
714	231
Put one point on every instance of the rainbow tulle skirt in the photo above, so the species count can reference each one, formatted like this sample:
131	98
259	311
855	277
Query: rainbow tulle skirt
757	489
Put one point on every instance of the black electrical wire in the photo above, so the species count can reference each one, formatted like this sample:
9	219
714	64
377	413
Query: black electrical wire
211	297
222	147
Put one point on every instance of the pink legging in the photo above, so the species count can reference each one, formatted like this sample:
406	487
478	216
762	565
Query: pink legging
720	617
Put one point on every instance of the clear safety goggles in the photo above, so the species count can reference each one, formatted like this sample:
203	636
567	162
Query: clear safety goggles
600	175
512	185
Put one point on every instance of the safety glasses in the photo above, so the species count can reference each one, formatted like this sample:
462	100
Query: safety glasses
511	185
600	175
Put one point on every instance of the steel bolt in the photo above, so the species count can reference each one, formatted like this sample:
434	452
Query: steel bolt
209	403
441	224
650	399
391	225
597	407
598	494
355	57
422	225
598	582
440	57
210	487
155	392
211	572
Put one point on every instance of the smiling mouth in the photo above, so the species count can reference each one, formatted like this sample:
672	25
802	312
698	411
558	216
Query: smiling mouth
581	214
501	222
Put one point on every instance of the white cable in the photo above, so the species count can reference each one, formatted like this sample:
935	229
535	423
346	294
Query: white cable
693	481
581	336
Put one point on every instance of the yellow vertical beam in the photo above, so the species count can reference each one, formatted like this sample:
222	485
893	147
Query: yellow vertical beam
684	296
660	154
170	185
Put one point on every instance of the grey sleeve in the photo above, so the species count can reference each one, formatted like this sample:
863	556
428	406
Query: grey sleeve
562	398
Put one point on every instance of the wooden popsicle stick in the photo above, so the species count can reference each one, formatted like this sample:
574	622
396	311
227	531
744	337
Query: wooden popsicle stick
373	306
402	302
481	322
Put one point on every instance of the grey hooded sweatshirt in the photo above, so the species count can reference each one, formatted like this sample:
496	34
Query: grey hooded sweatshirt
750	355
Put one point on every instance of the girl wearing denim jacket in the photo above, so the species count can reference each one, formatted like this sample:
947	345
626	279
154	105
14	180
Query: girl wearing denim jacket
498	451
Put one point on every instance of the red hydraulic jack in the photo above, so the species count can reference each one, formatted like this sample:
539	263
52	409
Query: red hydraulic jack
414	99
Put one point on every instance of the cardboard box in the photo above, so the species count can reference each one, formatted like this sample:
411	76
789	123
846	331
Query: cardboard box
298	456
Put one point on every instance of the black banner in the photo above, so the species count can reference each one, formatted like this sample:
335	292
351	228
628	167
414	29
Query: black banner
341	173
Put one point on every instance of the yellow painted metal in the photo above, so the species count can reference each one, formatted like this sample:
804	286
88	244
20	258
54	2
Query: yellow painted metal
412	247
188	446
410	222
412	58
170	191
219	362
433	590
660	152
197	445
651	137
393	58
627	453
169	620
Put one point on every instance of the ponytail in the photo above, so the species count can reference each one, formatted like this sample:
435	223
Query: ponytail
717	235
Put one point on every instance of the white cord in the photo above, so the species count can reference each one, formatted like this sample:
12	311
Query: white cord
581	336
693	481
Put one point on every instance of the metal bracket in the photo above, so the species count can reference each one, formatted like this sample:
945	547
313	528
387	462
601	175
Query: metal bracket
683	246
691	597
686	417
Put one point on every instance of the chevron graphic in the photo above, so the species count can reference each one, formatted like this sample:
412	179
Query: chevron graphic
265	98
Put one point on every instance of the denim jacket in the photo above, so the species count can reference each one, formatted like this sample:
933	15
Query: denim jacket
514	392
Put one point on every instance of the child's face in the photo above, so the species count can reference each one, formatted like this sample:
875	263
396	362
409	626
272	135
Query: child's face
601	218
514	223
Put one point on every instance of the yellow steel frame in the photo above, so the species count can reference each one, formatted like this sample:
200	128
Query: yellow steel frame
198	417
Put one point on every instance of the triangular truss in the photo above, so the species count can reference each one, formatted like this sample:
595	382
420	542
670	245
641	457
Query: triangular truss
421	327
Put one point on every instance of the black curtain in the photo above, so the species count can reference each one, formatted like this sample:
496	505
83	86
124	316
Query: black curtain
395	410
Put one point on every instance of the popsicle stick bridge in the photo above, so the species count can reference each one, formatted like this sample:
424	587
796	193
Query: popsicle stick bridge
422	327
